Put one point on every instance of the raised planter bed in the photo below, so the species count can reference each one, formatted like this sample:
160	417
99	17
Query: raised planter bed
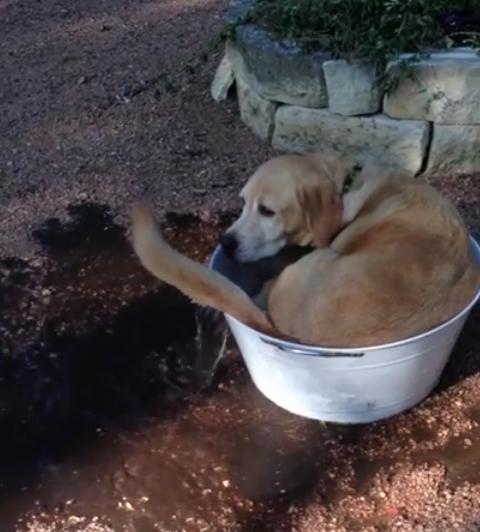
297	100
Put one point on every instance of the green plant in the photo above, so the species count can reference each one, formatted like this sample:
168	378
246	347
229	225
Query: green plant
373	31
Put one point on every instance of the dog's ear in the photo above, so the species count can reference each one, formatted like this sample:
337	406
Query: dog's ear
322	209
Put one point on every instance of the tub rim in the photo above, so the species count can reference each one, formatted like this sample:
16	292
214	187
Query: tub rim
296	348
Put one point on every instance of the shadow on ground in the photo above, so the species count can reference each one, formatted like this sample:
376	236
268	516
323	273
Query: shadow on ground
101	403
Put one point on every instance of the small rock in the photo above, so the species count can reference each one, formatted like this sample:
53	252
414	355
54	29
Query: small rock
392	511
75	520
131	469
256	112
125	505
223	80
118	480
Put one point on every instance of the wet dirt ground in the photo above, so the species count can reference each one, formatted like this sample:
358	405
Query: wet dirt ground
108	424
106	421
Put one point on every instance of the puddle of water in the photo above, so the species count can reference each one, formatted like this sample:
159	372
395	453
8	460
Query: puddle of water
83	346
464	360
367	470
460	455
95	386
211	343
462	459
99	393
266	466
89	229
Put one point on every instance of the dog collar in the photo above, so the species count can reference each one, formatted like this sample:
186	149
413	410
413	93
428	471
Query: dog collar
351	178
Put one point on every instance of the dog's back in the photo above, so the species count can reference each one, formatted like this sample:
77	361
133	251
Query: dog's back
402	266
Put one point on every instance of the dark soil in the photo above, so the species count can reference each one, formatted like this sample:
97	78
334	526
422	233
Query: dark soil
106	422
108	426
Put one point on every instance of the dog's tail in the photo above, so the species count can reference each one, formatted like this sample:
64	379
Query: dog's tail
202	285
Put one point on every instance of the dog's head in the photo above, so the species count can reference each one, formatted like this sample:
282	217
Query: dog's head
292	199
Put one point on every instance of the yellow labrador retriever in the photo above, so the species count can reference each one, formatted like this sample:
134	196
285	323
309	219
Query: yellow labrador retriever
392	256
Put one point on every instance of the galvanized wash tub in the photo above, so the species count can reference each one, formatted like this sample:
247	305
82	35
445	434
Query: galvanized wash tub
358	385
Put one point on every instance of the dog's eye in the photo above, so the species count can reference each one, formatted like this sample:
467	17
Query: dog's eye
265	211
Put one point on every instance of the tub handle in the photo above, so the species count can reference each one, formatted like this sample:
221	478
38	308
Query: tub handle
310	352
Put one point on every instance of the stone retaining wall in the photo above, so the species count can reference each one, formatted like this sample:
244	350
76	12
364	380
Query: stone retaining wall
429	123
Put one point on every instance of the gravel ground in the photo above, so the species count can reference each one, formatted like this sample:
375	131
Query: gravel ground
109	101
106	428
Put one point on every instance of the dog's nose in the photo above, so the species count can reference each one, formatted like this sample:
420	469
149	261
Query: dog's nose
229	243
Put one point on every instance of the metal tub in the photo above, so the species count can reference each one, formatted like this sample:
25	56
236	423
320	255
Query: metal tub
358	385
